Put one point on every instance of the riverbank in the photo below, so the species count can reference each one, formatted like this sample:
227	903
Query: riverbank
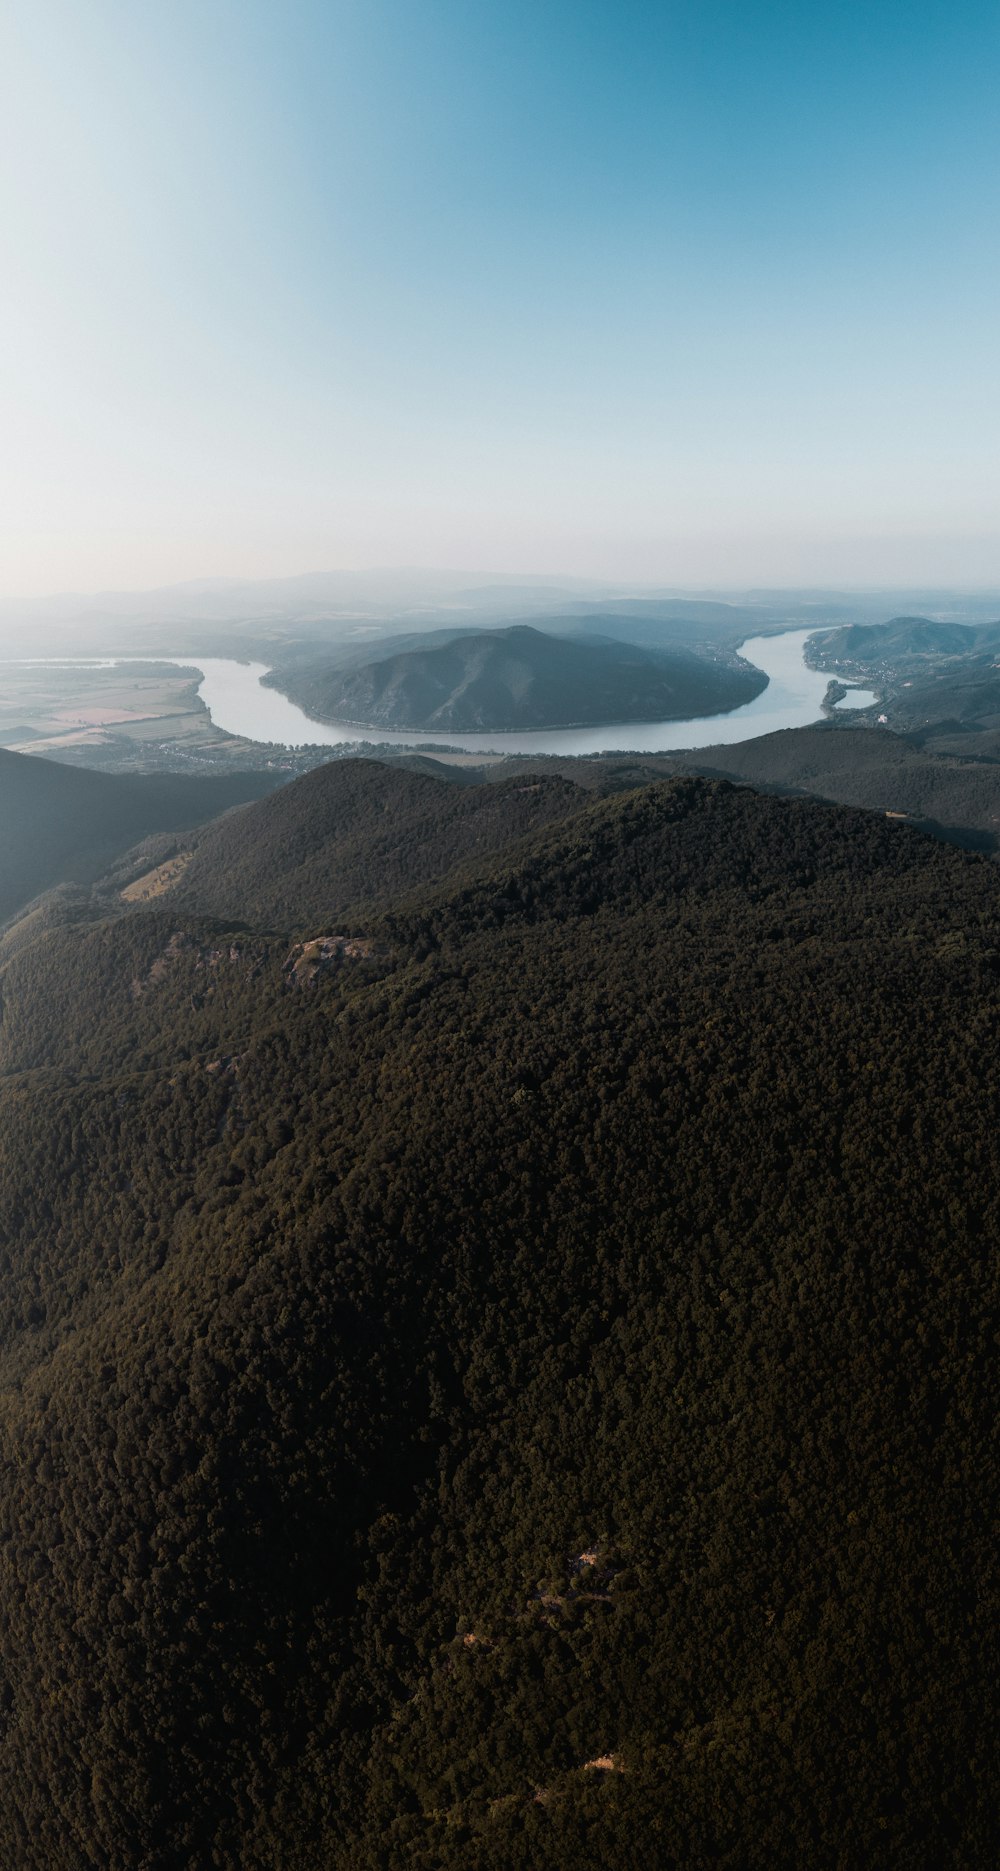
212	713
237	700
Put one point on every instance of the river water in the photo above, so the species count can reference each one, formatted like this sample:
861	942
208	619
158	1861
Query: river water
237	702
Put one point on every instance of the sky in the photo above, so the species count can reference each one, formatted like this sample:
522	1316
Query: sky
682	294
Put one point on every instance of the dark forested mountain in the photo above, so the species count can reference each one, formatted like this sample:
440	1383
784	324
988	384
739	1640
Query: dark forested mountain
501	1379
60	824
520	678
956	798
356	833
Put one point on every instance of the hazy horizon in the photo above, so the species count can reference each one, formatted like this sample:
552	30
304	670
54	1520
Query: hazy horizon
487	575
696	298
409	585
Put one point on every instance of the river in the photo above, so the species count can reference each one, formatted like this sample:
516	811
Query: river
237	702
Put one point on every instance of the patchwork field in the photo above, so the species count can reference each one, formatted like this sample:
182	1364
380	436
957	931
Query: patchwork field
130	715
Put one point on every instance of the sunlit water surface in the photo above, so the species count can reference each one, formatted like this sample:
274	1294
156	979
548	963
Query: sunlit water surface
239	704
233	694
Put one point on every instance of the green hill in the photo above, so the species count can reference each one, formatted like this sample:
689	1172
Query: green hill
355	833
510	1387
520	678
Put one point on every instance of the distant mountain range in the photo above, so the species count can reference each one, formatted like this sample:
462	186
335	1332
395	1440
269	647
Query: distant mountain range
277	619
520	678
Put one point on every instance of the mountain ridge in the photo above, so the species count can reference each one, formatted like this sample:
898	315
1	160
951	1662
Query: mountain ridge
519	678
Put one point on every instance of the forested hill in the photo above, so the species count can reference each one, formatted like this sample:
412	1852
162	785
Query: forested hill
64	824
956	798
508	1387
521	678
905	639
356	832
939	682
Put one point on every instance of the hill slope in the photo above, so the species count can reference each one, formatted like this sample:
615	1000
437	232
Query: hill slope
356	833
520	678
517	1393
905	640
955	798
938	681
62	824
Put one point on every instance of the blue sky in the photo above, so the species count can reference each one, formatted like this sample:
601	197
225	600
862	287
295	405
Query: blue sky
690	294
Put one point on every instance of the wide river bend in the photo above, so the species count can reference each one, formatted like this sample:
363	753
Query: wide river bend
237	702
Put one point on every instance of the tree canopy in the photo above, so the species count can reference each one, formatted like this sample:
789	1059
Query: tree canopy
495	1363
